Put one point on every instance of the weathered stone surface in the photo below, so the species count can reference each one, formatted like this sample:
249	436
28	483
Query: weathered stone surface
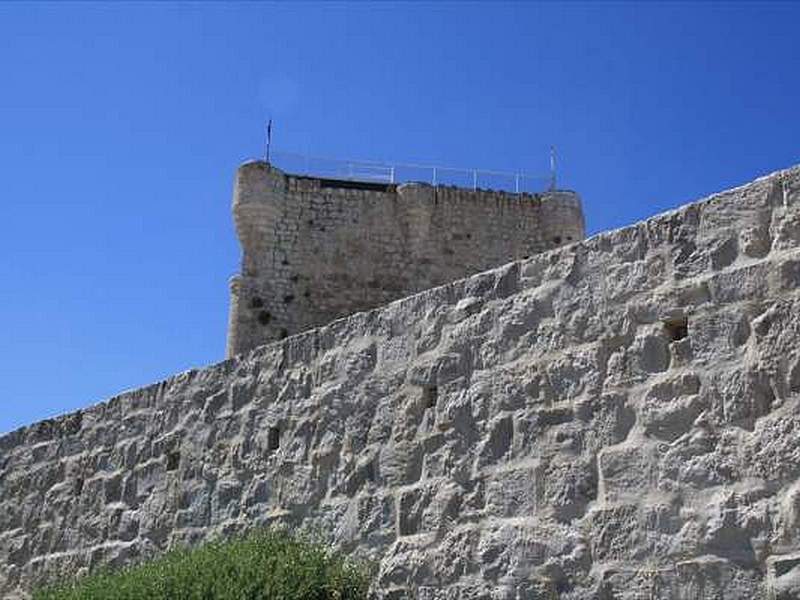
615	419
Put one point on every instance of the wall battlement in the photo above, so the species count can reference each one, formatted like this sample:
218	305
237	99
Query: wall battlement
614	419
314	250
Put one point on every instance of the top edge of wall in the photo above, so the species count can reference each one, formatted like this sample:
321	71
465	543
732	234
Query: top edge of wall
381	186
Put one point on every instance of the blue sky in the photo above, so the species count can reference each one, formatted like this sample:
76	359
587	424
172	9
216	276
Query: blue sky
121	126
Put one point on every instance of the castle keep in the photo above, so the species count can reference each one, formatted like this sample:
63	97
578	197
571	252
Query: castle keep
614	419
315	250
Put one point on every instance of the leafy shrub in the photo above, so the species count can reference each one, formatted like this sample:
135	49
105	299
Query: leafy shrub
266	565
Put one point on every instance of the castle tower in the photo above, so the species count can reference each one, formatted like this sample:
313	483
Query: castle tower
314	249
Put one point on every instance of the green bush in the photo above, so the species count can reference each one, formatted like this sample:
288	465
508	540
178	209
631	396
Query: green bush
261	566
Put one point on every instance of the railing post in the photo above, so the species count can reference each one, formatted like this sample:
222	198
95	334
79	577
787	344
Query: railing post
434	176
391	176
474	180
516	183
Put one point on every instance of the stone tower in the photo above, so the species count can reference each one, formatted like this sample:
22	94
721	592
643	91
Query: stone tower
315	250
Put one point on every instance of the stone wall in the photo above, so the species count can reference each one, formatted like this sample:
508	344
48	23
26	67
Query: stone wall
315	250
615	419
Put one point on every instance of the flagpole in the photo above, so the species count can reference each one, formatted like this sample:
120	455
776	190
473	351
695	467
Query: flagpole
269	139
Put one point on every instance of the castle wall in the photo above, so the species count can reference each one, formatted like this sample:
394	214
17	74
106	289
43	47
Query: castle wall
316	250
618	418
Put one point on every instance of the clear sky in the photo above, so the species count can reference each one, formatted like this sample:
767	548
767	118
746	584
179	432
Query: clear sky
121	126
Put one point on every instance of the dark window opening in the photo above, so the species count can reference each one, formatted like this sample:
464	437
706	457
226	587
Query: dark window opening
677	329
273	439
557	239
346	184
79	486
430	395
256	302
264	317
287	299
307	294
284	334
173	460
284	262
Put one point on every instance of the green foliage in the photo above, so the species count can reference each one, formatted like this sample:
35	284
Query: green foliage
261	566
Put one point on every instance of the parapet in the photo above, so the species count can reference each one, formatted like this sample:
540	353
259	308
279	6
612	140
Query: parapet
315	249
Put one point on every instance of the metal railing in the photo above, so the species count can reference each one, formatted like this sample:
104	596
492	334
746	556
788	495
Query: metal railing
392	173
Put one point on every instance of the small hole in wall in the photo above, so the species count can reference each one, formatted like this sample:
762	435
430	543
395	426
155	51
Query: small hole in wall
569	238
284	334
557	239
284	262
173	460
307	294
287	299
264	317
273	439
256	302
79	486
677	329
430	394
469	236
294	278
310	222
